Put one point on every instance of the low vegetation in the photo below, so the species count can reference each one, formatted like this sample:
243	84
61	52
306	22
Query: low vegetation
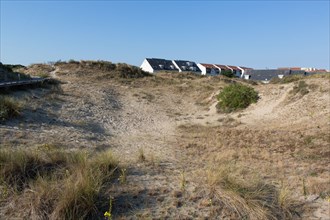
228	73
47	182
236	96
286	79
99	69
7	73
9	107
190	163
300	88
248	199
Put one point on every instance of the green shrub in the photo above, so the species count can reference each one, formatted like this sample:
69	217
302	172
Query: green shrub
42	75
236	96
9	108
300	88
227	73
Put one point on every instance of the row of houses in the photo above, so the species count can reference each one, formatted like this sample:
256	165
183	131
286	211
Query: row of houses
154	65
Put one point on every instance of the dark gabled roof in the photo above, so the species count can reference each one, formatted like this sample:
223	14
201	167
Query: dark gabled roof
266	75
161	64
188	66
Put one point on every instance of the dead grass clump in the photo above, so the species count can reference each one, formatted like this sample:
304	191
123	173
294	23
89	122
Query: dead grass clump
9	107
300	88
249	199
55	183
41	70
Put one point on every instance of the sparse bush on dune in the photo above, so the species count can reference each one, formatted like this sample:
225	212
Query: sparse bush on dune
236	96
54	183
100	69
300	88
9	107
287	79
8	73
294	78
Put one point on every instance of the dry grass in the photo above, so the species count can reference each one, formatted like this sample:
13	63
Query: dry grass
55	184
99	70
9	107
141	155
249	198
257	174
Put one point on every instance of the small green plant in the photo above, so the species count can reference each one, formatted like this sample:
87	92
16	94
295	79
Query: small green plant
123	176
183	181
9	107
141	156
236	96
304	188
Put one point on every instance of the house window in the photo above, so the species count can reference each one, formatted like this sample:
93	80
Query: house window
192	68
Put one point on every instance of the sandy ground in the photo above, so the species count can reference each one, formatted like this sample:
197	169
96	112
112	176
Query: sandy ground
143	118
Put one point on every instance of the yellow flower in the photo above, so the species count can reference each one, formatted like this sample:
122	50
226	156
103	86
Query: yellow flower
107	214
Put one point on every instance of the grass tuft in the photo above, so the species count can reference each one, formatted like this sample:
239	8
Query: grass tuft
251	199
141	155
56	184
9	107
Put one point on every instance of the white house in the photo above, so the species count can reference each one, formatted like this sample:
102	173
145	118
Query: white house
153	65
186	66
209	69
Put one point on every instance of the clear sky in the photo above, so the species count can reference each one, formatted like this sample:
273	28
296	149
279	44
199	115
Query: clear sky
258	34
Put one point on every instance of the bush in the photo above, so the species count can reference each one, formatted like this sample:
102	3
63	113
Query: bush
300	88
236	96
227	73
9	108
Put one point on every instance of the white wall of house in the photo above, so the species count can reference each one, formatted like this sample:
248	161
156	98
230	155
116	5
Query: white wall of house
145	66
238	73
217	68
242	71
202	68
176	65
230	68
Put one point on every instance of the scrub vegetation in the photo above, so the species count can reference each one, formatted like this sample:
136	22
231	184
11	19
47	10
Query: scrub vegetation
107	141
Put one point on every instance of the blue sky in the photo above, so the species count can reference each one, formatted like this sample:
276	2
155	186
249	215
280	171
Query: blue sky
258	34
